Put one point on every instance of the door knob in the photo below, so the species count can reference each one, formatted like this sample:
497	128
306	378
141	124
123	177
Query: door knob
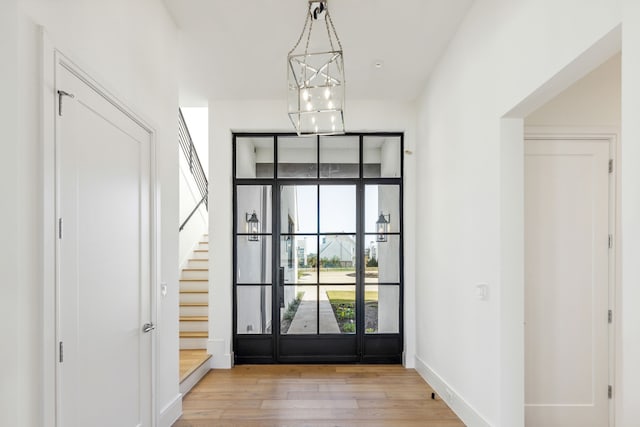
148	327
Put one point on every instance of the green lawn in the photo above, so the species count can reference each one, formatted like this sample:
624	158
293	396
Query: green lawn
346	297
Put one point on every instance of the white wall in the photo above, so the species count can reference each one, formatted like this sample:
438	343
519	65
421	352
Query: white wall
592	102
470	193
197	119
139	68
629	391
197	226
263	115
12	392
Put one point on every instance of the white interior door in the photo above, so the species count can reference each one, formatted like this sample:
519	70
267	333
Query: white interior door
566	283
103	169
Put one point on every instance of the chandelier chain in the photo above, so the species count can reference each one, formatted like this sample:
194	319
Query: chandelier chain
335	33
328	22
306	22
306	47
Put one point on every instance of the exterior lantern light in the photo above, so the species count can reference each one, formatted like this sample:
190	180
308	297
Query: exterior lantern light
316	77
252	227
382	227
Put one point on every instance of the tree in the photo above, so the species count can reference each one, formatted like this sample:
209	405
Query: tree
372	262
312	260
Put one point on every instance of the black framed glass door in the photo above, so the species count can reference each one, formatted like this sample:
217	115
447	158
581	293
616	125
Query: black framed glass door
318	248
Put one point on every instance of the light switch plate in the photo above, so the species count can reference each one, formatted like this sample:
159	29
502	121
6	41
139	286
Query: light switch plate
482	291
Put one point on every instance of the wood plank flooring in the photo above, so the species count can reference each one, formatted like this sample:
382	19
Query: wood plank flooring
314	396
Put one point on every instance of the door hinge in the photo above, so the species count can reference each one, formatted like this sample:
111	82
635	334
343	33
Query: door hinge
610	241
610	316
610	392
610	165
62	93
59	228
61	352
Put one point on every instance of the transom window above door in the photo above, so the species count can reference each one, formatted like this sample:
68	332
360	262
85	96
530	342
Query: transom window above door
346	156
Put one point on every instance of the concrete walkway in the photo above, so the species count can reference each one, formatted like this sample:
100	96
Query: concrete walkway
304	322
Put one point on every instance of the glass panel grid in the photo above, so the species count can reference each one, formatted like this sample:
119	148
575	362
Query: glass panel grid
253	309
317	294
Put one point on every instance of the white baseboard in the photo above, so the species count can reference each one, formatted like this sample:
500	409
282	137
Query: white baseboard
170	413
219	358
461	407
408	360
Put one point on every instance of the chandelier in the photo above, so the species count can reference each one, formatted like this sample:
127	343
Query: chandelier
316	77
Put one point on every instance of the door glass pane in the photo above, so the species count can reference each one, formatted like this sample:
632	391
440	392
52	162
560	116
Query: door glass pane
381	156
339	156
253	259
297	157
253	309
297	259
298	209
382	200
254	199
337	309
254	157
382	259
381	309
337	208
299	310
338	258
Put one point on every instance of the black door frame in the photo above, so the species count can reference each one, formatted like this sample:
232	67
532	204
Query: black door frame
359	347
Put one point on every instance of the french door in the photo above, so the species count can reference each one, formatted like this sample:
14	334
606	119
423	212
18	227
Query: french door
318	248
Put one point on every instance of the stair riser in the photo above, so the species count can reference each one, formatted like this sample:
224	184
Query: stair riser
203	245
201	255
194	311
192	285
193	343
195	274
194	297
194	326
198	263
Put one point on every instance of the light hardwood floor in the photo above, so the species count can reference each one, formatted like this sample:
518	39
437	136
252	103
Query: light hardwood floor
314	396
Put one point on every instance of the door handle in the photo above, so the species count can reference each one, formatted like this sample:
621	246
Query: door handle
148	327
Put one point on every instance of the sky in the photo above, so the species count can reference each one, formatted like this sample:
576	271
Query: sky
337	210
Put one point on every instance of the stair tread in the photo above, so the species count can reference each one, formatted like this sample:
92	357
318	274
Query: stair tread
194	280
195	269
194	304
201	250
194	334
189	291
194	318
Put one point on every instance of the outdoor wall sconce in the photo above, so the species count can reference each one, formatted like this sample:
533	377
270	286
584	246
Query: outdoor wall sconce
252	227
382	227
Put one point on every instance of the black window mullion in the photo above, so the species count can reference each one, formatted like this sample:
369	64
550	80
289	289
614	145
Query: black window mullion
276	292
276	233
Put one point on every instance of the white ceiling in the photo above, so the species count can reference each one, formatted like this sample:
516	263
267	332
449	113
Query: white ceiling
237	49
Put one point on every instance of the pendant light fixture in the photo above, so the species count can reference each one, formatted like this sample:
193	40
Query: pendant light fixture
316	76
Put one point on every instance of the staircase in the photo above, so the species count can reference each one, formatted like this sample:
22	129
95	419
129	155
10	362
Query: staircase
194	299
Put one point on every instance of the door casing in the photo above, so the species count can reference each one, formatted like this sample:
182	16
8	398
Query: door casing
610	135
52	58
